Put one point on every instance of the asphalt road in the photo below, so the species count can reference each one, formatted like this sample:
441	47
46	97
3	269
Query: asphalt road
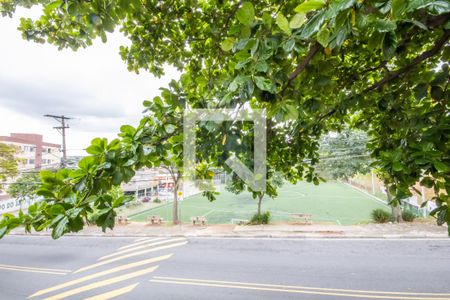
212	268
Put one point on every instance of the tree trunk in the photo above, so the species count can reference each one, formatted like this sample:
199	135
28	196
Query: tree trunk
396	210
175	204
260	197
176	185
397	213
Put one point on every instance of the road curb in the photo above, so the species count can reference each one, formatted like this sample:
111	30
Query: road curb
237	236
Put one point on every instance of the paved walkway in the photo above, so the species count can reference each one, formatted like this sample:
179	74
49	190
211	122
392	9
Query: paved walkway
403	230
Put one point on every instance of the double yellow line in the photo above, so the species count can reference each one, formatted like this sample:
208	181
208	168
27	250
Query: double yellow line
302	289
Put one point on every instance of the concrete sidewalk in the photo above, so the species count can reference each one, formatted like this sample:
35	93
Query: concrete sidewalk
403	230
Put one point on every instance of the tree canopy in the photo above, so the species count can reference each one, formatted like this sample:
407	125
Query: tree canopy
344	154
315	66
8	162
25	186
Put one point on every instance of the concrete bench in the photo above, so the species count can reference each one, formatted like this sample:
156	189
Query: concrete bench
122	220
239	221
302	218
199	220
155	220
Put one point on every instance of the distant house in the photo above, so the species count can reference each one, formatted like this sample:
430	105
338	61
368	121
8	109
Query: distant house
34	152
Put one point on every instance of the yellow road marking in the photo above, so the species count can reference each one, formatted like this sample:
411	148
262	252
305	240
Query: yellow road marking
31	271
141	242
301	287
35	268
99	274
140	247
285	290
101	283
114	293
104	262
141	239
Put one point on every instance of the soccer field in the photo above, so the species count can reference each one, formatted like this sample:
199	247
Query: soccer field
329	202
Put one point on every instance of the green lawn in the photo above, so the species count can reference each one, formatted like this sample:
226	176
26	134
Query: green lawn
328	202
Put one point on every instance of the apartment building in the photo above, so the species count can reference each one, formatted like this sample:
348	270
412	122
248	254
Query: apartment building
34	152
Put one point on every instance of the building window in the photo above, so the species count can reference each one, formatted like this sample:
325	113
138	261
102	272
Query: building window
28	148
31	161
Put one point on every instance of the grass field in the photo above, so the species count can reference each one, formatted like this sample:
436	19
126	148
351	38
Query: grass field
329	202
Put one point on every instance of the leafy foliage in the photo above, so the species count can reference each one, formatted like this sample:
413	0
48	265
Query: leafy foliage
25	186
315	66
8	162
379	215
344	154
408	215
260	218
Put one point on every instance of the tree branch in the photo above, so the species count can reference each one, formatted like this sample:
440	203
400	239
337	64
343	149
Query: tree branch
302	65
422	57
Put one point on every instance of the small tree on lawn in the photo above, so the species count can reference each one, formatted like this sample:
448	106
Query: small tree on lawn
8	162
25	186
344	154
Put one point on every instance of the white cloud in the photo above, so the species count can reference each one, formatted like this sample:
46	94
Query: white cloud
92	85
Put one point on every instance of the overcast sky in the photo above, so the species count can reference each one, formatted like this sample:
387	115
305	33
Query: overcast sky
91	85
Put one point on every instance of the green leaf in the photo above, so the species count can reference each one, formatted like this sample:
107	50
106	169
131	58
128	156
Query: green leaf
316	181
94	149
289	45
128	130
292	112
436	7
261	66
130	162
397	166
52	6
389	45
94	19
297	20
60	229
313	25
323	37
246	13
45	193
382	25
86	163
169	128
375	40
441	167
263	83
442	217
427	182
310	5
398	7
283	23
3	231
227	44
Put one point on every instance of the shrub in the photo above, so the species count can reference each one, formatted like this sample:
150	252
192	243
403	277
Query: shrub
381	216
408	216
263	218
157	200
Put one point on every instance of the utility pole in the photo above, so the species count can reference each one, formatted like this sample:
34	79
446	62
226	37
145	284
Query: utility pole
62	130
